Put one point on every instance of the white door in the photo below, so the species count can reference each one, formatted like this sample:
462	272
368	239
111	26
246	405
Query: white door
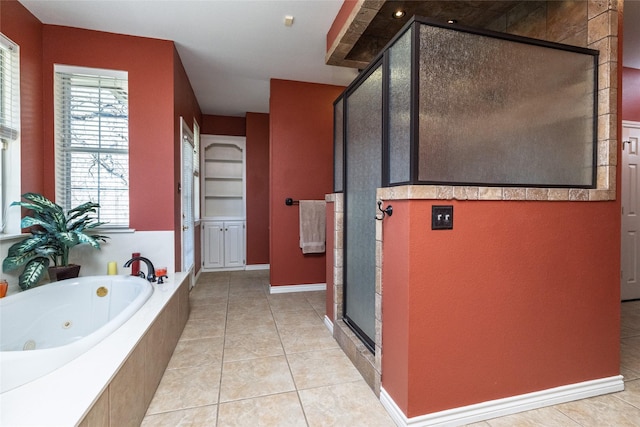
630	250
213	242
234	244
188	229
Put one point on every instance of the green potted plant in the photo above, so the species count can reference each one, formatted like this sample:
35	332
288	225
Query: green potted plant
53	233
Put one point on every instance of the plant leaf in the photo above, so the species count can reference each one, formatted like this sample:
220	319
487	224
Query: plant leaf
100	237
27	245
32	273
84	208
43	206
14	261
29	221
85	238
68	238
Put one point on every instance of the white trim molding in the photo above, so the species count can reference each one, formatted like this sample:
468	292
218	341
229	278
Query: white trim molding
506	406
297	288
257	267
328	323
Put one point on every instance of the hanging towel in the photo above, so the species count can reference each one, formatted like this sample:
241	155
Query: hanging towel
312	224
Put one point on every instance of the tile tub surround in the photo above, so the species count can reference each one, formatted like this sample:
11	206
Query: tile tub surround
64	396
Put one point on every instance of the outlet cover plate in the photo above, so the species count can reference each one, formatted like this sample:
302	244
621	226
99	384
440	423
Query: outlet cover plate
442	217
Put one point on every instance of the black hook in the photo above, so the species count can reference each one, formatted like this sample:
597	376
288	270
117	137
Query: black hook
388	210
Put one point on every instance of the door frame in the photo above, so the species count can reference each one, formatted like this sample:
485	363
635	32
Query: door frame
187	225
624	295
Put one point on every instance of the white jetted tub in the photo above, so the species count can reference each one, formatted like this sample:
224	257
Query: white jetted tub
46	327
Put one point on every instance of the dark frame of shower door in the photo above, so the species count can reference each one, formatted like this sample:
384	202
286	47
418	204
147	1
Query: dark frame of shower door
368	341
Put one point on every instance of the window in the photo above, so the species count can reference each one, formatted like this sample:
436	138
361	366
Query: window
92	141
9	135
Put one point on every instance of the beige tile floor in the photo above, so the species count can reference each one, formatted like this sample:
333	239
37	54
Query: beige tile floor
248	358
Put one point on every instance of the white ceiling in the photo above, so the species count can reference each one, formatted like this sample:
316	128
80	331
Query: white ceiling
229	48
232	48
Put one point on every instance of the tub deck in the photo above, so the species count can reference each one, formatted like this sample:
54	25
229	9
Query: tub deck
66	395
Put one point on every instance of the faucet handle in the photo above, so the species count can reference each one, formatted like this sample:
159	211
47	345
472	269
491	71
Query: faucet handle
141	274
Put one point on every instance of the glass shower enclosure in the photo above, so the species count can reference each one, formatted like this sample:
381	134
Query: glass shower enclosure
449	105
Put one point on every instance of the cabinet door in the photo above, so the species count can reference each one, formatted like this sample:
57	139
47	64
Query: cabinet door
234	244
213	245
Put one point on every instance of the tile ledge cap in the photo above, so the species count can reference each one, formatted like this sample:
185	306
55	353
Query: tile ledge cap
444	192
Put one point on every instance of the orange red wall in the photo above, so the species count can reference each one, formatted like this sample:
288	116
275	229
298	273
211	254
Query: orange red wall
257	188
185	106
518	297
159	93
301	158
17	23
631	94
340	20
223	125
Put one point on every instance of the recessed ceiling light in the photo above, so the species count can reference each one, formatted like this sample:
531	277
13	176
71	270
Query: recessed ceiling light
288	20
398	14
452	21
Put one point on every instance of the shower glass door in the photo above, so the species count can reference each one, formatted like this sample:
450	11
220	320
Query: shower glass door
362	179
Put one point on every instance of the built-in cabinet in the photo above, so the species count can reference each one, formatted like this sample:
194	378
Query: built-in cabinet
223	202
224	244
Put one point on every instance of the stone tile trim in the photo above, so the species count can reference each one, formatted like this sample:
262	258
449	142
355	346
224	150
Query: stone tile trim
358	20
437	192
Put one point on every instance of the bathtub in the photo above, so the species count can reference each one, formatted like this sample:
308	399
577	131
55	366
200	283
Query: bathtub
45	328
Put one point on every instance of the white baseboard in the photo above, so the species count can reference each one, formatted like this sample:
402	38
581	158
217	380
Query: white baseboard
297	288
196	277
329	324
507	406
257	267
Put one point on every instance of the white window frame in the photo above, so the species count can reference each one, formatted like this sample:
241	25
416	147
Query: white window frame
62	193
10	184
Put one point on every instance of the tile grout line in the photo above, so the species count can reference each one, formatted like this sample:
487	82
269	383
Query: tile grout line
286	357
224	341
616	395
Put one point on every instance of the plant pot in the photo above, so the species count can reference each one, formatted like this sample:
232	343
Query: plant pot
65	272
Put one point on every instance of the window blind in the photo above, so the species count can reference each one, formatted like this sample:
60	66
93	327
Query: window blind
9	89
92	143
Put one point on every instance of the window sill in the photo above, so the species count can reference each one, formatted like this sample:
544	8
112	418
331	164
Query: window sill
114	230
7	237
